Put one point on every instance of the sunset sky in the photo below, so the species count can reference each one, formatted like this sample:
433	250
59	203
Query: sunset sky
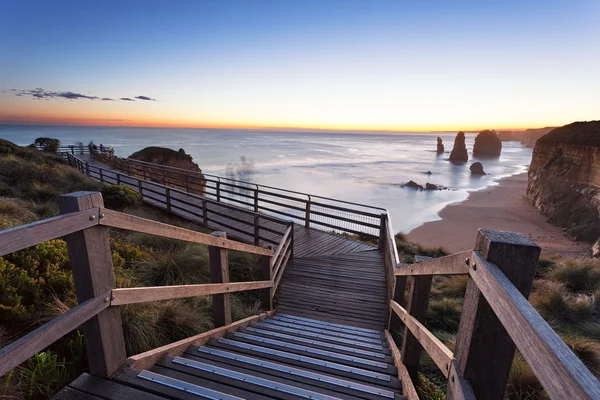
369	65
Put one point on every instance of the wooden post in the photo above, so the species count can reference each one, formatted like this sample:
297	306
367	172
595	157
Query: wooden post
118	178
418	302
87	169
91	262
101	177
307	214
256	200
484	351
256	230
219	271
265	295
399	289
140	188
168	197
383	231
205	212
218	190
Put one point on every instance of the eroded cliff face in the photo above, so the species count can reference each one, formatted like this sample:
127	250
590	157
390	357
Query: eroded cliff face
564	178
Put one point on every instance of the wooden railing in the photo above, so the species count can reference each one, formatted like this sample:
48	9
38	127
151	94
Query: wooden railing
496	318
84	224
309	210
243	224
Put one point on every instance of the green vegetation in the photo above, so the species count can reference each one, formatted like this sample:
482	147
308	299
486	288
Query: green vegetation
566	293
36	284
119	197
47	144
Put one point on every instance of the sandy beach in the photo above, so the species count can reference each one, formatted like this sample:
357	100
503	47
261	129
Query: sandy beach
502	207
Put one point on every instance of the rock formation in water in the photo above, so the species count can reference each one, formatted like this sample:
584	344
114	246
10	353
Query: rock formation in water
477	169
192	181
487	144
413	185
440	145
564	178
459	151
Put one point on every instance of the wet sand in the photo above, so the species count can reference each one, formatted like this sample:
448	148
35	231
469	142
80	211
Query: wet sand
502	207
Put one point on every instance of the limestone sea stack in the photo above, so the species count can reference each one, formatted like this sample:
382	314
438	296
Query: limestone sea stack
477	169
487	144
564	178
459	151
440	145
194	182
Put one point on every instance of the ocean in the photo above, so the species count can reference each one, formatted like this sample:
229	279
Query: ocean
368	168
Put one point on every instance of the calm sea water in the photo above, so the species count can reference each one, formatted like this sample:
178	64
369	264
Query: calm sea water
363	168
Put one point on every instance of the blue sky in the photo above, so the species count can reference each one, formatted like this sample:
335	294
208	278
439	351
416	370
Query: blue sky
347	64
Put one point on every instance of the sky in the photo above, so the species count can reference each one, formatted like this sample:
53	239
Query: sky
405	65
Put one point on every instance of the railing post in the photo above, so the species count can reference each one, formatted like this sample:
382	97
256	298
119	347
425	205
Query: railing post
481	337
218	190
118	178
141	188
219	271
168	196
307	214
291	223
256	229
418	302
205	212
101	177
383	231
91	263
87	169
265	295
256	199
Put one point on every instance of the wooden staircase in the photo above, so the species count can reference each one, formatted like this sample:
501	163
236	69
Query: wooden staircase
280	357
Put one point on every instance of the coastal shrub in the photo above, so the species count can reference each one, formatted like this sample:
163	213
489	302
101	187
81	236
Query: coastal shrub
14	213
578	275
47	144
118	197
444	314
581	221
522	382
450	286
189	265
7	147
407	250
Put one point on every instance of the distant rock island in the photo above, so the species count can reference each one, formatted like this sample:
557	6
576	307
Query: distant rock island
195	181
487	144
564	178
477	169
440	145
459	151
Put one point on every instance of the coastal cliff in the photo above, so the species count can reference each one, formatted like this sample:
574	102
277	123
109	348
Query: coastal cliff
564	178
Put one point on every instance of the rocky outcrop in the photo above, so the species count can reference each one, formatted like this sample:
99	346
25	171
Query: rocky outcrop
459	151
428	186
188	176
477	169
487	144
440	145
508	136
530	136
564	178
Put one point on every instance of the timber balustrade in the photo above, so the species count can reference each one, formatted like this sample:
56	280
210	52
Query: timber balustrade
496	319
302	208
84	224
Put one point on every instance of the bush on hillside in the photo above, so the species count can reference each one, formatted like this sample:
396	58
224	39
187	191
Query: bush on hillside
7	147
119	197
47	144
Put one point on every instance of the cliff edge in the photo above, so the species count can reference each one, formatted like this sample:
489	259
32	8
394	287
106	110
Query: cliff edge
564	178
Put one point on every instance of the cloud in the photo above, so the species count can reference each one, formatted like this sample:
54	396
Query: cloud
42	94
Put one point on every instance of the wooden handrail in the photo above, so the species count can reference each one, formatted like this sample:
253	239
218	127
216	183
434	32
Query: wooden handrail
36	341
439	353
158	293
24	236
554	364
120	220
453	264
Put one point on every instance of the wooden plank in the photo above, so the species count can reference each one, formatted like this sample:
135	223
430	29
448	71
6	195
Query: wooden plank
458	387
147	359
282	241
449	265
438	352
91	262
219	272
24	236
559	370
22	349
125	221
68	393
418	302
108	389
481	336
158	293
408	389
